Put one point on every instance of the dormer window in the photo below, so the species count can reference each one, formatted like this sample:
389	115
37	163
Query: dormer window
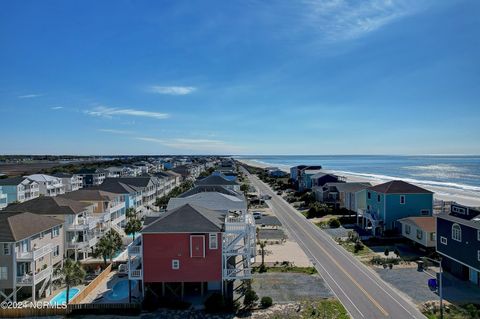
402	199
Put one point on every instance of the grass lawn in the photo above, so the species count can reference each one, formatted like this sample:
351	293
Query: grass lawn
293	269
328	308
350	247
469	311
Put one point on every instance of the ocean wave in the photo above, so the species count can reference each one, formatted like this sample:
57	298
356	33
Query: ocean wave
382	178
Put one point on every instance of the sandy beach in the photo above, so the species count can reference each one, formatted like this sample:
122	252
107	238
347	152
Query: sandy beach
464	197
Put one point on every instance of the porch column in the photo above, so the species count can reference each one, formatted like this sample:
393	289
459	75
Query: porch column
182	291
201	288
163	289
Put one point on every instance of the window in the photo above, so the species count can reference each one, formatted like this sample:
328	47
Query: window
478	255
55	232
212	241
3	273
56	251
478	235
433	236
425	212
443	240
6	249
402	199
456	232
419	234
378	198
407	229
369	195
175	264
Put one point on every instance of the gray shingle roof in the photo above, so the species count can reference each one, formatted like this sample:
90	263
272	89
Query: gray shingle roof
215	180
11	181
349	187
89	195
16	226
49	206
116	186
210	200
210	188
187	219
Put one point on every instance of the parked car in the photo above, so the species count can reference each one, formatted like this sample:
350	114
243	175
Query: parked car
279	193
257	215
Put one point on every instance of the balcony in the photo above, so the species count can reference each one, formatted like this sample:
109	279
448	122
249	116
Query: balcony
35	254
83	244
116	207
28	280
88	223
135	274
135	250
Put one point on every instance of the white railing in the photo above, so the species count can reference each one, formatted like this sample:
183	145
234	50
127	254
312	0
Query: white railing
35	254
134	250
28	279
135	274
84	223
116	207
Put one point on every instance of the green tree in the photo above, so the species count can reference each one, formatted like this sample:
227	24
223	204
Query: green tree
71	274
108	245
245	187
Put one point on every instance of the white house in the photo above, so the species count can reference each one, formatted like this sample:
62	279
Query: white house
421	230
48	185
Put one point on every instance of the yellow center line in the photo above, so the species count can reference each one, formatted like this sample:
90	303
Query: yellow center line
340	267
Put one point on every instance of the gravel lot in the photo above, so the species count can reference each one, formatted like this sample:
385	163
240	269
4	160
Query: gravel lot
290	287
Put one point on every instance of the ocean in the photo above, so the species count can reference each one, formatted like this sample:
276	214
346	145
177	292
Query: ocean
460	172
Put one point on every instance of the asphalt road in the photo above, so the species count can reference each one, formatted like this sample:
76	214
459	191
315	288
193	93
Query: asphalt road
362	292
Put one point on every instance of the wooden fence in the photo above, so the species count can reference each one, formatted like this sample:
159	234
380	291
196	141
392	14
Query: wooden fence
91	286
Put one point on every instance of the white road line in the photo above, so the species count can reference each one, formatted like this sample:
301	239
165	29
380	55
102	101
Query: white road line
328	240
324	270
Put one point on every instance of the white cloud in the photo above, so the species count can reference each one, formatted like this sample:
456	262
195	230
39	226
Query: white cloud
343	19
114	131
56	107
172	90
109	112
29	96
202	146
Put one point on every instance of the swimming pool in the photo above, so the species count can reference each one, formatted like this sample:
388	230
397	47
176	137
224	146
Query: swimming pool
120	290
61	297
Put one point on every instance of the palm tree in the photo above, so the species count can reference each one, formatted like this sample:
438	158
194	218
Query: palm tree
133	226
108	245
71	274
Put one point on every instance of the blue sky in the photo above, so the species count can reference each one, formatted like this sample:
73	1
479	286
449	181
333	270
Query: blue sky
240	77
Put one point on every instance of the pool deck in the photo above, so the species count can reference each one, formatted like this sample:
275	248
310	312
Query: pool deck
104	288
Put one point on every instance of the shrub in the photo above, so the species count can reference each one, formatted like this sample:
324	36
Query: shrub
266	302
214	303
333	223
387	251
250	298
358	246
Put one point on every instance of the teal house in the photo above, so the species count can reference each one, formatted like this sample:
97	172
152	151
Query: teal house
391	201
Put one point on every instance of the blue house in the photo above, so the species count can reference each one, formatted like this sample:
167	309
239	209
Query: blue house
300	175
458	241
391	201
